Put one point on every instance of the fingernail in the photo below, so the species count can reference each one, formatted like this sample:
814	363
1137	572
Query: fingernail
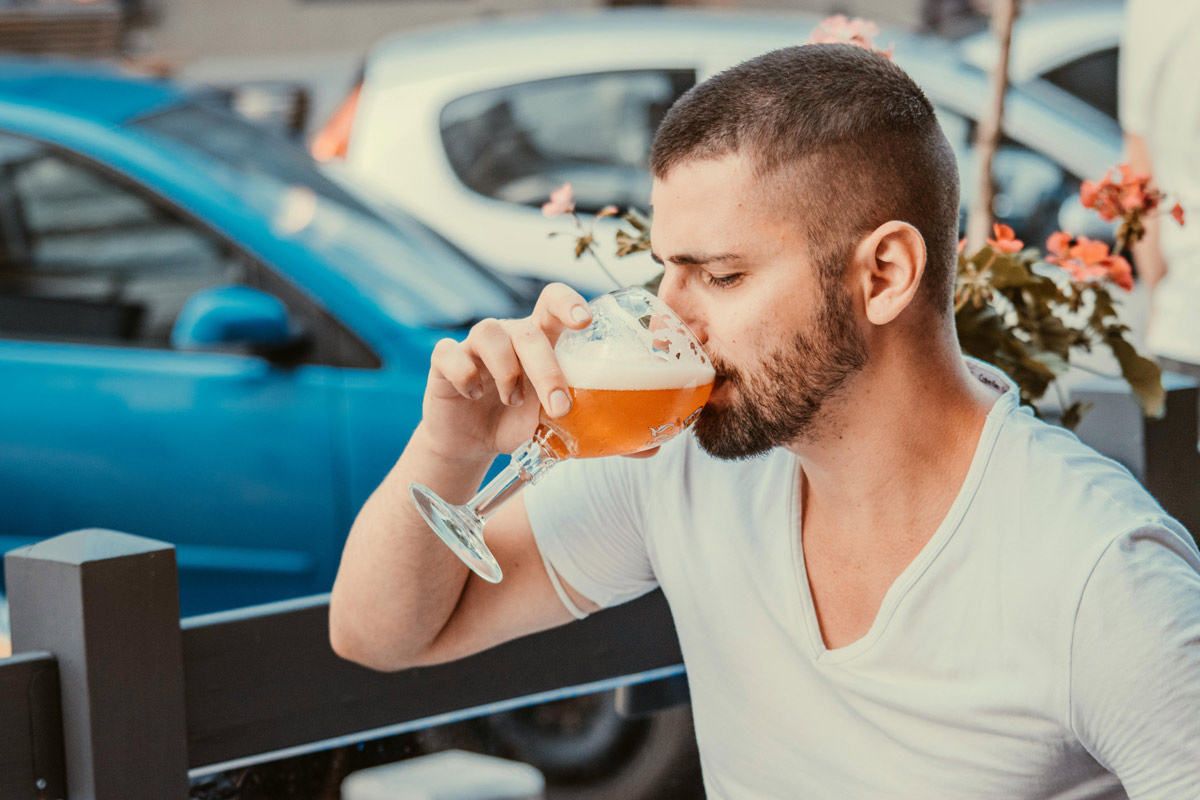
581	314
559	403
477	393
516	398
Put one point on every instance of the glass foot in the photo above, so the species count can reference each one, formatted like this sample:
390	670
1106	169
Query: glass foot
461	529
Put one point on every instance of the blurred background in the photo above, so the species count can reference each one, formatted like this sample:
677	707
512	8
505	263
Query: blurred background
232	230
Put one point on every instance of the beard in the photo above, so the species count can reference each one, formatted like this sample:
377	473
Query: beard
781	401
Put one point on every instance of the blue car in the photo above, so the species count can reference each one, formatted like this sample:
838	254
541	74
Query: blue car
203	338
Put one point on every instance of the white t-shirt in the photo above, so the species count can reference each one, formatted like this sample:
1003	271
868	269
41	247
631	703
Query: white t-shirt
1160	101
1045	638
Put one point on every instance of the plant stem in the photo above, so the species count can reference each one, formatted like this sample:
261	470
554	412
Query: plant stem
600	261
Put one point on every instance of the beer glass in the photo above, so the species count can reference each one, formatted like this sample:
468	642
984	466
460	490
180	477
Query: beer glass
636	376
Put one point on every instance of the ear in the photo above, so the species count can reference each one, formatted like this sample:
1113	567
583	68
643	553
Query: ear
890	261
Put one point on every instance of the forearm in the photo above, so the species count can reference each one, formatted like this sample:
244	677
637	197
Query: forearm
1147	254
1147	257
398	583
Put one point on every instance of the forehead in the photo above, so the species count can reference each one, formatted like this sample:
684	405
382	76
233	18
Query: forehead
719	203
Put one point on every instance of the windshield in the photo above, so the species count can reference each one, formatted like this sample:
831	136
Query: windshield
414	275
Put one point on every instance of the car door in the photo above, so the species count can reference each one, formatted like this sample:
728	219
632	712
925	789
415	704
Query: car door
103	424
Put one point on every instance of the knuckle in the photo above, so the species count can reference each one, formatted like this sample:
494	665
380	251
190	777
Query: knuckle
550	376
463	372
508	381
527	332
487	327
445	348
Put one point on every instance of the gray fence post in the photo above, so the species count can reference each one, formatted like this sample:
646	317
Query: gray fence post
106	604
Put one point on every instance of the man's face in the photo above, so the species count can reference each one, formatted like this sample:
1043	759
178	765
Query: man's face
784	339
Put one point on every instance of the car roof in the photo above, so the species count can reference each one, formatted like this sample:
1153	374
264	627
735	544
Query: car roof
1047	35
460	52
98	92
564	35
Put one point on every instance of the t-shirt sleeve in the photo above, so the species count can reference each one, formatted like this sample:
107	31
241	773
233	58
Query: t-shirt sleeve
1135	663
588	518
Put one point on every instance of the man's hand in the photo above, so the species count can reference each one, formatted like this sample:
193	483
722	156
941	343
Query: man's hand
484	393
401	597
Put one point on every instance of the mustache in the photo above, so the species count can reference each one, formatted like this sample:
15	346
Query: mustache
724	369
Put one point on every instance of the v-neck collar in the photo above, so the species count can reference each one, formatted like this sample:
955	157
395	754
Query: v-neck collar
1004	405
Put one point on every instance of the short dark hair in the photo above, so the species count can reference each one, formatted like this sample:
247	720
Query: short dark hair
855	135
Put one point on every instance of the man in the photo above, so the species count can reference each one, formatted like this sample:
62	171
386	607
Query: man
887	578
1160	114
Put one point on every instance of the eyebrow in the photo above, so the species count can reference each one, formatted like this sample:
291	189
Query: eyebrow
696	260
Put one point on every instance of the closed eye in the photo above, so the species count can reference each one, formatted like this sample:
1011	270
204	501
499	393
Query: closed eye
722	281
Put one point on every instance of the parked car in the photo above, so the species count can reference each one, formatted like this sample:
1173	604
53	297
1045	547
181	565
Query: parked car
205	340
202	338
471	126
1072	45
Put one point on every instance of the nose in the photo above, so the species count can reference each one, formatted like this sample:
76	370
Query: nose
673	291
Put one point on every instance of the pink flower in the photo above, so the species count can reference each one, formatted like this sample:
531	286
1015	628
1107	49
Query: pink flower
1089	251
1133	195
1088	260
1058	244
562	201
1088	192
1119	272
1005	241
1177	213
837	29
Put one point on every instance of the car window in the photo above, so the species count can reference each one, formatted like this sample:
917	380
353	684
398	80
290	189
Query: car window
248	149
413	274
516	144
1092	78
1030	187
86	257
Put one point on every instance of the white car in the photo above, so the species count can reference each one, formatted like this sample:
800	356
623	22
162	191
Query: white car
470	127
1072	45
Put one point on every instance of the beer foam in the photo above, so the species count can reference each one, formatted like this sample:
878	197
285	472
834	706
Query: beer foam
591	373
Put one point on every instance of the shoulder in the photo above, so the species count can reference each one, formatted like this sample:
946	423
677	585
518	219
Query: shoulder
1055	475
1054	506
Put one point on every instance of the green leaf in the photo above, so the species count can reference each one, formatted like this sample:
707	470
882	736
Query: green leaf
1073	414
628	244
1143	375
637	219
1008	272
583	244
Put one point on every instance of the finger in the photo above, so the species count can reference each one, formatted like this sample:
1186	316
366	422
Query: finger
642	453
489	341
451	360
536	355
559	305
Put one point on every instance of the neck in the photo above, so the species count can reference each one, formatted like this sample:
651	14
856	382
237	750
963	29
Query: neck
898	441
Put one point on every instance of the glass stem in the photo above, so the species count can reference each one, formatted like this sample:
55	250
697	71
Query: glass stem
529	463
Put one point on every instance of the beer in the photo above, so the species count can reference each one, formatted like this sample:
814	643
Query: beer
637	377
621	408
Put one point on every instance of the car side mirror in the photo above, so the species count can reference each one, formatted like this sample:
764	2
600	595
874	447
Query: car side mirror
235	318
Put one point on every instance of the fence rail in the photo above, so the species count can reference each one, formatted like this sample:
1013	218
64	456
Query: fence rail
110	696
147	699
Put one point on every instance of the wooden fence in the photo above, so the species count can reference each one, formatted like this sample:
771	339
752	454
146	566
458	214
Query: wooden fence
111	696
